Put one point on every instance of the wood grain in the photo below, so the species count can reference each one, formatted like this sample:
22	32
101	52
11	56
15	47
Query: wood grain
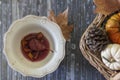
74	66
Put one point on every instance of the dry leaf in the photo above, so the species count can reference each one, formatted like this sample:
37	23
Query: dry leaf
62	20
107	6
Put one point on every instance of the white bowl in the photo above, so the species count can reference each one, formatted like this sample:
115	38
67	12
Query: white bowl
21	28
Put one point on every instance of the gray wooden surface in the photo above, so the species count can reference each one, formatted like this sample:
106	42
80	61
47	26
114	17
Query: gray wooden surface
74	66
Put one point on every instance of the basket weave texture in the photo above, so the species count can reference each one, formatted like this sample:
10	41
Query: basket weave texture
93	59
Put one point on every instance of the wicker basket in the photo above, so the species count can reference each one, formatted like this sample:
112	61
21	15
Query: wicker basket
94	59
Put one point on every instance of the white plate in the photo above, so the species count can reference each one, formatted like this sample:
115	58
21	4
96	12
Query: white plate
21	28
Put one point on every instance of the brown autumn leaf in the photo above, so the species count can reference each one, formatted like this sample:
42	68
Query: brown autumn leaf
62	20
107	6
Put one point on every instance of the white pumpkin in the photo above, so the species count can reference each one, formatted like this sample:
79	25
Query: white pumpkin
111	56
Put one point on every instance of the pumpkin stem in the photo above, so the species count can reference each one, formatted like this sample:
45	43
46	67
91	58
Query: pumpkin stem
110	61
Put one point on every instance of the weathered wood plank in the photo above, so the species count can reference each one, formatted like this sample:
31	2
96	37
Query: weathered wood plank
42	7
0	38
4	28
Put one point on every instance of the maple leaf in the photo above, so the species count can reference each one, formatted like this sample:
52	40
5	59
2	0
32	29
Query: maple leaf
107	6
62	20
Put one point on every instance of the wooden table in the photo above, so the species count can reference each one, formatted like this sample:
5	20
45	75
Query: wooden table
74	66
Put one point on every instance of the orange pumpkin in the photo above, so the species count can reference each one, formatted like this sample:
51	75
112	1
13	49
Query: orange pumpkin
113	28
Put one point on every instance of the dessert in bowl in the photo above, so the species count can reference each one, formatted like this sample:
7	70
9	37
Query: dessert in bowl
48	58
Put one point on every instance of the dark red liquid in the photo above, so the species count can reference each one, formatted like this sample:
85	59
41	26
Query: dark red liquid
35	46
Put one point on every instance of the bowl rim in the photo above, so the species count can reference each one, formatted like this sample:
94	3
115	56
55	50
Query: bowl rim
56	63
